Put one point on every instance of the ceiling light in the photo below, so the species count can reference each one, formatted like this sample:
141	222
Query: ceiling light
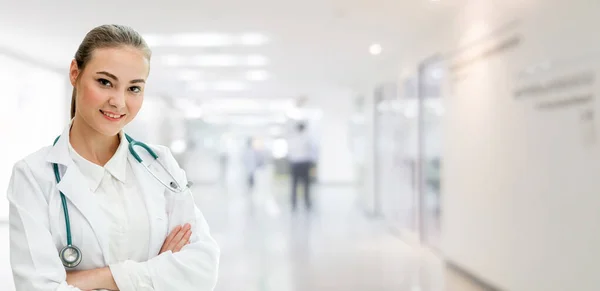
201	40
193	112
281	119
154	40
281	105
249	120
198	86
253	39
215	119
220	60
375	49
229	86
256	60
190	75
280	148
215	61
358	119
295	114
275	130
258	75
204	40
233	105
173	60
178	146
436	73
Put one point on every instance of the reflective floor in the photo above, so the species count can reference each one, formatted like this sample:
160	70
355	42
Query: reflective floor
265	246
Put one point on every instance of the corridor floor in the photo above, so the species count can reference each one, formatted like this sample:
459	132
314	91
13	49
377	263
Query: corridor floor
267	247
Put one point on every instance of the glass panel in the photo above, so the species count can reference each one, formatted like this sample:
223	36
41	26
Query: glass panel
396	153
432	109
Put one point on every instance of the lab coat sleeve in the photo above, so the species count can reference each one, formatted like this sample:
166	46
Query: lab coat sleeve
33	256
195	267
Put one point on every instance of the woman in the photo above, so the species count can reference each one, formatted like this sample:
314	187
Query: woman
133	232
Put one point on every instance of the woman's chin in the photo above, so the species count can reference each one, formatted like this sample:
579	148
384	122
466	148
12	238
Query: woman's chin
109	130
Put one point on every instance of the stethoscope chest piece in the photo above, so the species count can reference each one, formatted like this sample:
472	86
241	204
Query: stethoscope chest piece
70	256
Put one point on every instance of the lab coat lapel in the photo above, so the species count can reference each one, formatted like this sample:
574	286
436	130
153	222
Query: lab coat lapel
73	186
154	196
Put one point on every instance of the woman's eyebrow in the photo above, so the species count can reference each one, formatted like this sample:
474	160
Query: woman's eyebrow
109	75
137	81
117	79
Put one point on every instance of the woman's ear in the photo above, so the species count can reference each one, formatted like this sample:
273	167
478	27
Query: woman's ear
73	72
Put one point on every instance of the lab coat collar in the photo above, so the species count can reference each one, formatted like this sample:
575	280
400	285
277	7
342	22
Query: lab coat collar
59	153
93	173
116	166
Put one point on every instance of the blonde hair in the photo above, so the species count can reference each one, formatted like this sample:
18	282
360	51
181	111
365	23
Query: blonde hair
106	36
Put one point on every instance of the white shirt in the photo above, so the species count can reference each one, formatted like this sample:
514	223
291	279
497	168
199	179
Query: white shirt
301	148
122	205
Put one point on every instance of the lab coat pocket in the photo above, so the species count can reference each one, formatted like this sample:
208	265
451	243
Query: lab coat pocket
180	209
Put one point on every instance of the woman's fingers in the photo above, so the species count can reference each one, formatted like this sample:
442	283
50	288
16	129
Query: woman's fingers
184	241
169	239
179	237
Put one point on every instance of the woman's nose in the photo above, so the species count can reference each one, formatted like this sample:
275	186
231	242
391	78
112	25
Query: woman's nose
117	101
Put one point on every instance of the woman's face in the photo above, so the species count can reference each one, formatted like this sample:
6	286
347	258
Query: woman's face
110	89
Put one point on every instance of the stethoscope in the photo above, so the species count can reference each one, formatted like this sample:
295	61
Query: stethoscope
70	255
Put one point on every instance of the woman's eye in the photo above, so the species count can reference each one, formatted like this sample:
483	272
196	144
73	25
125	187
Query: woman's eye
135	89
104	82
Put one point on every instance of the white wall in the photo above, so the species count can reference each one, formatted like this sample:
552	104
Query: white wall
336	164
521	200
32	114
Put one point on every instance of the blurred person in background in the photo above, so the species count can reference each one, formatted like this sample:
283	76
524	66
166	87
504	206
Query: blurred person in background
302	156
223	164
128	230
252	162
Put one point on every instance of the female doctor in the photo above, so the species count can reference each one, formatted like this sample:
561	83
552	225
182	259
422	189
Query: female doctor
127	229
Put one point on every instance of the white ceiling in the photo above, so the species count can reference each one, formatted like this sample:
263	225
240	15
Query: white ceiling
313	44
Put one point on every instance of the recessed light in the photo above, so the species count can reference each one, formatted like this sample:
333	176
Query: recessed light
257	75
178	146
190	75
375	49
219	60
256	60
201	40
253	39
229	86
214	61
198	86
204	39
173	60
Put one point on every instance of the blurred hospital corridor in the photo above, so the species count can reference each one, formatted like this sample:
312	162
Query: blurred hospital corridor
374	145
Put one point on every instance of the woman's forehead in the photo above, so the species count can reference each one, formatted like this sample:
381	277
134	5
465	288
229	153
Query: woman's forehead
122	60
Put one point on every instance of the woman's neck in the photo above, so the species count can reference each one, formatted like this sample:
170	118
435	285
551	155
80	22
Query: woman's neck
92	145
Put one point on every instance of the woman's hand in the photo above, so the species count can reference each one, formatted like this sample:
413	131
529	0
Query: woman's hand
100	278
177	239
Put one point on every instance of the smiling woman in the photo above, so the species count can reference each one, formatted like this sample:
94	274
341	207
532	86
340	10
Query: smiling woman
129	231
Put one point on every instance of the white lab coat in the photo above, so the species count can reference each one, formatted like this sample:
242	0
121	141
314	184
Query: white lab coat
37	224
